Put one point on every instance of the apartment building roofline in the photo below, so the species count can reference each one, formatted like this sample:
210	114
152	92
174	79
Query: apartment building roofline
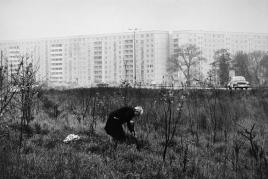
218	32
120	33
82	36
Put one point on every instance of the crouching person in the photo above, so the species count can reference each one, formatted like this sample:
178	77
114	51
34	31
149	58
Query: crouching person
119	117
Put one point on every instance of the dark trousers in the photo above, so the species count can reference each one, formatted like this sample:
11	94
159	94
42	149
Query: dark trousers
115	129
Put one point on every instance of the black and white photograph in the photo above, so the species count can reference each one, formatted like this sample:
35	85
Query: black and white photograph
133	89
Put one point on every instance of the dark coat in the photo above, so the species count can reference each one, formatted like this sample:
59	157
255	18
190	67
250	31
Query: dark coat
115	121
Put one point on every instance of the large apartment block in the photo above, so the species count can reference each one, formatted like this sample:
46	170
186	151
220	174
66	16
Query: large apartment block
90	60
209	42
112	58
11	55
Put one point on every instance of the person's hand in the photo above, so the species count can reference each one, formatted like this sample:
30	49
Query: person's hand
116	118
133	133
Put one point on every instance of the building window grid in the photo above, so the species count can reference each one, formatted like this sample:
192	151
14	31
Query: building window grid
215	42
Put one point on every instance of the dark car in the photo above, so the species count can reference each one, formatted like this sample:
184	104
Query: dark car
102	85
238	82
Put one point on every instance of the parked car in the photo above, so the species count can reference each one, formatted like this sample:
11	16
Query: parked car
103	85
238	82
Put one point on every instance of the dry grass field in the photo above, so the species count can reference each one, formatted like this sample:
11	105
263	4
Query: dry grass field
182	134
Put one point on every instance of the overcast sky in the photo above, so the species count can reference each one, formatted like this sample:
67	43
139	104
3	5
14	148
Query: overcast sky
24	19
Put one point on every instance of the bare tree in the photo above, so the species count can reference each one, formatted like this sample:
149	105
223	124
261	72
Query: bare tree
211	80
6	92
170	116
221	61
185	59
241	64
6	96
79	107
264	64
255	60
25	83
256	149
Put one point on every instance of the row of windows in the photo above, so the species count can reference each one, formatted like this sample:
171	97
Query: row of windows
56	73
97	57
128	66
128	46
56	59
97	67
128	51
14	62
58	54
97	52
16	52
222	41
129	71
97	48
56	68
56	64
128	61
53	81
128	41
14	56
98	43
129	76
14	47
56	50
14	68
125	36
128	56
56	45
118	43
98	62
97	72
56	77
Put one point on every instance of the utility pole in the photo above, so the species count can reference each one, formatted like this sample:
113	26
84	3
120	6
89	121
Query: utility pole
134	54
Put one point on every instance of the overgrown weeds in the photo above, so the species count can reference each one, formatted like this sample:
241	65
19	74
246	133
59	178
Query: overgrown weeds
208	134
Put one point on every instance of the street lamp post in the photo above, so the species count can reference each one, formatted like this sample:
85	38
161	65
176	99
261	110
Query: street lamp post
1	72
134	53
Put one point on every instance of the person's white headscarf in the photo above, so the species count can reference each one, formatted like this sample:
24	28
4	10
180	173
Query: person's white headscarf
139	110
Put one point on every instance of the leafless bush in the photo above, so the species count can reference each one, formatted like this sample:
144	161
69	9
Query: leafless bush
256	148
25	83
170	115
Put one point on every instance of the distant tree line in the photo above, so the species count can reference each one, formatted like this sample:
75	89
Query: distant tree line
253	66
